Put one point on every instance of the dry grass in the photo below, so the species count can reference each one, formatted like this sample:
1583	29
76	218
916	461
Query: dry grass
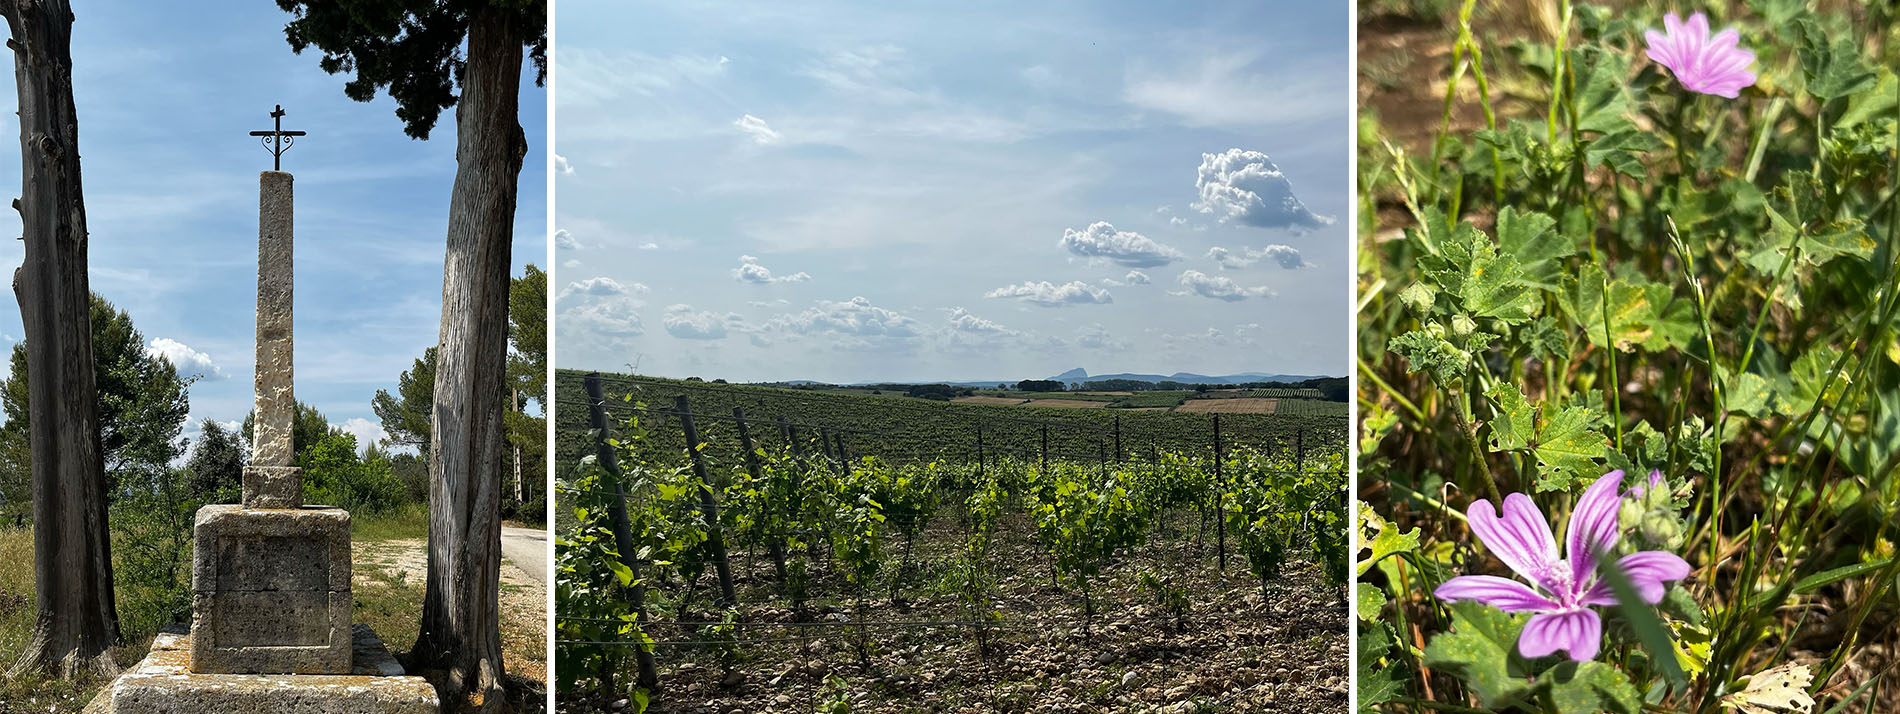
1239	405
1006	401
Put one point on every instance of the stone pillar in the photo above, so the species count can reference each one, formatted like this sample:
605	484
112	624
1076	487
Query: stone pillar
271	578
271	481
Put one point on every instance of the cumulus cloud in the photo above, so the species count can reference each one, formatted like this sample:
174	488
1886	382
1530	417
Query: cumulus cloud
1245	187
755	127
856	317
1101	240
600	287
1136	277
1047	294
749	271
367	432
1286	256
649	245
684	322
1198	283
189	362
561	165
962	321
565	240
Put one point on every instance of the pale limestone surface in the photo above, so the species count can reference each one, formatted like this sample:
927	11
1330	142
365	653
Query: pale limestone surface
162	685
271	591
276	402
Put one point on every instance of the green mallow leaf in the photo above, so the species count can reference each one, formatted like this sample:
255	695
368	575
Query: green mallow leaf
1752	395
1622	317
1563	439
1590	688
1809	375
1603	99
1377	682
1531	239
1382	538
1481	282
1868	106
1481	651
1426	352
1833	69
1368	600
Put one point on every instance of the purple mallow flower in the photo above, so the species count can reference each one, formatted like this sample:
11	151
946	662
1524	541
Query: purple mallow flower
1566	590
1704	64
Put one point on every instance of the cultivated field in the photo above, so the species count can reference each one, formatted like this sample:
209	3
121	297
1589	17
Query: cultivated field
917	566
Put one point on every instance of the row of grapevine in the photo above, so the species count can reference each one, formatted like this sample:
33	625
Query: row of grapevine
649	519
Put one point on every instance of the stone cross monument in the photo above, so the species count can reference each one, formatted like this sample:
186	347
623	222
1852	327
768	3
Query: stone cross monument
270	628
271	576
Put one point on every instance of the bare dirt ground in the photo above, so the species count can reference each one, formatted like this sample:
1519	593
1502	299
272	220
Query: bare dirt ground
1237	649
1235	405
524	599
1067	404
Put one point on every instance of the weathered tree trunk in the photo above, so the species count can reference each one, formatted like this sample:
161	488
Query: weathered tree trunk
459	645
77	625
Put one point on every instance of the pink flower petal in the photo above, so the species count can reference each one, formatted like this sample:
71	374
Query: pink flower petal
1503	594
1521	538
1592	530
1649	571
1580	632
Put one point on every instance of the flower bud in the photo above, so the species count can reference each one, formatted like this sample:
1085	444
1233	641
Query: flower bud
1462	325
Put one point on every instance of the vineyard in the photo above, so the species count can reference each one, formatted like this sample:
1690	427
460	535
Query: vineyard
814	552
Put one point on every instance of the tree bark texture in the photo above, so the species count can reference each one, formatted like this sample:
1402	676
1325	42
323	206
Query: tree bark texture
459	644
76	625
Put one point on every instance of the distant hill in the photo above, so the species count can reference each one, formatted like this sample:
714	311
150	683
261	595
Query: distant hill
1080	375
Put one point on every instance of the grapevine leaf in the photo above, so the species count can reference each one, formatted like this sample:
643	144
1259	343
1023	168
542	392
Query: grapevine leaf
1481	651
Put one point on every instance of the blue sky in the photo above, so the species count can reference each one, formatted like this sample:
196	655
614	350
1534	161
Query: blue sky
165	99
977	190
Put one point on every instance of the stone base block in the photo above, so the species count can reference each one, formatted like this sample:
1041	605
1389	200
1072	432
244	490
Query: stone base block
271	591
163	684
273	487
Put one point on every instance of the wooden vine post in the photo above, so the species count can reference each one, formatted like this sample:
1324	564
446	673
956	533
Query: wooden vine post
1220	495
774	542
649	675
708	504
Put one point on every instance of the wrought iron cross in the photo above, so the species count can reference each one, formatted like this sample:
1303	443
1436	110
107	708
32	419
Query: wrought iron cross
277	141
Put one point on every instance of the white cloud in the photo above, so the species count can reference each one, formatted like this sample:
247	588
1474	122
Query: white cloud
962	321
1136	277
1236	89
1245	187
1047	294
565	240
562	166
611	320
1219	288
684	322
1286	256
856	317
600	287
749	271
1101	240
649	245
760	132
367	432
189	362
